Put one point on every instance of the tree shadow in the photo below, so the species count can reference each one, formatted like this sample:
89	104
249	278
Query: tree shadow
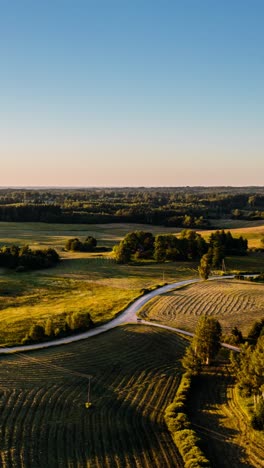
217	434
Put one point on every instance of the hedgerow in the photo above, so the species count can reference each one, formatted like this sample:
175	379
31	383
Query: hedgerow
186	440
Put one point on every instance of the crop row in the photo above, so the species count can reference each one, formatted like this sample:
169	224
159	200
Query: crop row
44	422
232	303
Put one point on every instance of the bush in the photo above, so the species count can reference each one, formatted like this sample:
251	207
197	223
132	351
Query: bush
179	426
79	321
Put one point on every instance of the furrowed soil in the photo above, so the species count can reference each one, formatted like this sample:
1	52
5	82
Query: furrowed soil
135	372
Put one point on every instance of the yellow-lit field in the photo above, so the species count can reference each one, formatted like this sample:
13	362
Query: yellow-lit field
232	302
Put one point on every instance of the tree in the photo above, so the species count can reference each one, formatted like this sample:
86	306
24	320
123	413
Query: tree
250	370
206	341
79	321
122	253
205	266
191	362
49	328
36	332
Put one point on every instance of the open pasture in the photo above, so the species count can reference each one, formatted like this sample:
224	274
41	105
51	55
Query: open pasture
135	372
90	282
232	302
41	235
93	285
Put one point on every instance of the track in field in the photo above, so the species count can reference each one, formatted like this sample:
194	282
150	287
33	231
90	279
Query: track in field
233	303
228	440
44	423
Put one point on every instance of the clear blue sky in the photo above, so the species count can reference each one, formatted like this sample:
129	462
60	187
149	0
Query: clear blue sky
131	92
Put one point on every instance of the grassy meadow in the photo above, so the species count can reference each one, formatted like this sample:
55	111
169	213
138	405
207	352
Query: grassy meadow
90	282
232	302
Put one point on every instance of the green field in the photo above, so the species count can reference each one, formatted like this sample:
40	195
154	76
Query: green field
90	282
135	370
134	373
86	282
232	302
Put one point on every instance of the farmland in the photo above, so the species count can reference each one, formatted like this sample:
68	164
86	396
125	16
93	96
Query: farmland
82	281
134	373
135	369
228	439
233	303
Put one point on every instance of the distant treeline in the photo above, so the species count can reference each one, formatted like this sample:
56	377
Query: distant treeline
185	207
189	245
23	258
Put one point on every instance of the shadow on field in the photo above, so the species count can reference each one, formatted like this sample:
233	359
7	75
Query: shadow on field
207	399
134	373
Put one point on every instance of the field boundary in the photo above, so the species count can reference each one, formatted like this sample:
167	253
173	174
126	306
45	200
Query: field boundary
185	438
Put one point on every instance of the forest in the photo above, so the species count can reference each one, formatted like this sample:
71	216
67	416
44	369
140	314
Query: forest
186	207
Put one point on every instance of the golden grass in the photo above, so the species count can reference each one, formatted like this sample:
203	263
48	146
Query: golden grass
82	281
232	302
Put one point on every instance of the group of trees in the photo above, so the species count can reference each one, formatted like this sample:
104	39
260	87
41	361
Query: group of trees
76	245
188	246
143	245
73	322
24	258
249	371
221	244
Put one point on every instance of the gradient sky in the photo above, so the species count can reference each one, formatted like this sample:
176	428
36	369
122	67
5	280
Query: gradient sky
131	92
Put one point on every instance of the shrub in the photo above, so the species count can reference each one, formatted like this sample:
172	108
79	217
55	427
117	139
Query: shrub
179	426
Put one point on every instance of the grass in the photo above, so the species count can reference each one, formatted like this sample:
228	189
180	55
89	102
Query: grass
135	373
232	302
55	297
81	282
219	420
89	282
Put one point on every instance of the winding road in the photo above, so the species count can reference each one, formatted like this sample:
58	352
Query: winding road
128	316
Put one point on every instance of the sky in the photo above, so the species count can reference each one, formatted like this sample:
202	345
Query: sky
131	92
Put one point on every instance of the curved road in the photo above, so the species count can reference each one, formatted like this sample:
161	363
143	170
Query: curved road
128	316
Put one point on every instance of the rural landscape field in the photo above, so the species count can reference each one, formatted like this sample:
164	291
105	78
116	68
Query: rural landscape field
129	374
131	234
134	373
234	303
